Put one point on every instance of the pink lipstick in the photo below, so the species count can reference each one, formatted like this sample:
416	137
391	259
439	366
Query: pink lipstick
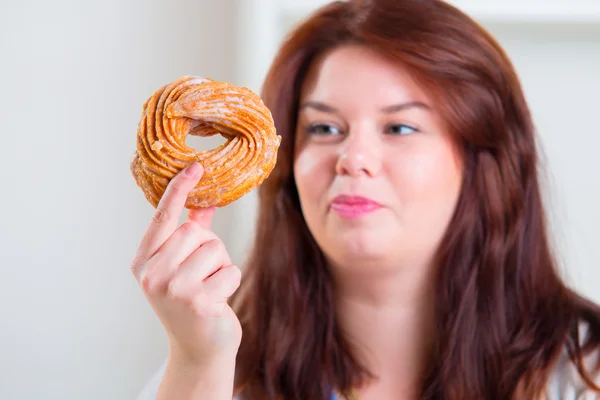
353	206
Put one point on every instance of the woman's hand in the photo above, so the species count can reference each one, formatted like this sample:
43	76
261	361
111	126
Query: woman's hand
187	276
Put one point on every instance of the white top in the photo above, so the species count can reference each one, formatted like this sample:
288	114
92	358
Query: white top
564	383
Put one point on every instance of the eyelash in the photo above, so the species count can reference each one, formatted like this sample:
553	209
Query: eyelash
315	129
412	128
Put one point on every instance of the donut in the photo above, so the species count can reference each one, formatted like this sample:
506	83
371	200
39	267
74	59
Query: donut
204	107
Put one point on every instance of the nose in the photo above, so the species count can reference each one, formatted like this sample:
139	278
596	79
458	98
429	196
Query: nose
359	155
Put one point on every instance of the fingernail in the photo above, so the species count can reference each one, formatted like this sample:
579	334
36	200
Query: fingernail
193	170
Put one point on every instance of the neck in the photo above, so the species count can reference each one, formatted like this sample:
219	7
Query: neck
390	320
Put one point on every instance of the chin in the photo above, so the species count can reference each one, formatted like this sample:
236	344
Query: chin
361	249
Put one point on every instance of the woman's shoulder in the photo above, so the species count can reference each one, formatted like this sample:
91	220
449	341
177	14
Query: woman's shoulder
566	382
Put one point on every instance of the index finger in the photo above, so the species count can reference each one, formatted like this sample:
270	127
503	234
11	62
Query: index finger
169	209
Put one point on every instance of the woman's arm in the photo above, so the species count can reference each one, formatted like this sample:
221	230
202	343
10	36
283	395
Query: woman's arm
186	382
186	274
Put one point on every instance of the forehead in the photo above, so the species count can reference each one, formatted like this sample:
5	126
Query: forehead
355	73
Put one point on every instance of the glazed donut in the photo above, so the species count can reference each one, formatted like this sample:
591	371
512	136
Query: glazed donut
203	107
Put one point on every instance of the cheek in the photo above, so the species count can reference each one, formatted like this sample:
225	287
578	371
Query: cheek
311	172
305	164
430	176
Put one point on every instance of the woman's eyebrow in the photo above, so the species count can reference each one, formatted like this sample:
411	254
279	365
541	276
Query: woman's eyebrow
323	107
403	106
319	106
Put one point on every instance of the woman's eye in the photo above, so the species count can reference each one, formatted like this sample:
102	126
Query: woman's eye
401	129
323	130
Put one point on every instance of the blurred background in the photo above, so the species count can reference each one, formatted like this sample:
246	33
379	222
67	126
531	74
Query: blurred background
74	76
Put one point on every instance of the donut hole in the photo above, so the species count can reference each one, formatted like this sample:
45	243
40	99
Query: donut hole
203	137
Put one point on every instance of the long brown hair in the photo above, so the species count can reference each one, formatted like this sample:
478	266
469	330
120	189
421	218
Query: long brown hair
504	316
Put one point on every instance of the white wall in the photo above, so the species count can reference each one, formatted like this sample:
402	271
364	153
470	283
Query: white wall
74	76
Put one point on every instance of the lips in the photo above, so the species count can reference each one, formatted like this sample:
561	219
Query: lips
350	207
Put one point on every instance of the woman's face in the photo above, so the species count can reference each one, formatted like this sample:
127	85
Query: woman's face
377	173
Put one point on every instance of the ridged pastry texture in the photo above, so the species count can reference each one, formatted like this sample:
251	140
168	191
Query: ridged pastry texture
204	107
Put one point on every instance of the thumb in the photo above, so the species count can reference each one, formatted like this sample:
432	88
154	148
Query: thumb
203	216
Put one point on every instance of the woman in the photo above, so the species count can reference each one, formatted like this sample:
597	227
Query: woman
401	250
